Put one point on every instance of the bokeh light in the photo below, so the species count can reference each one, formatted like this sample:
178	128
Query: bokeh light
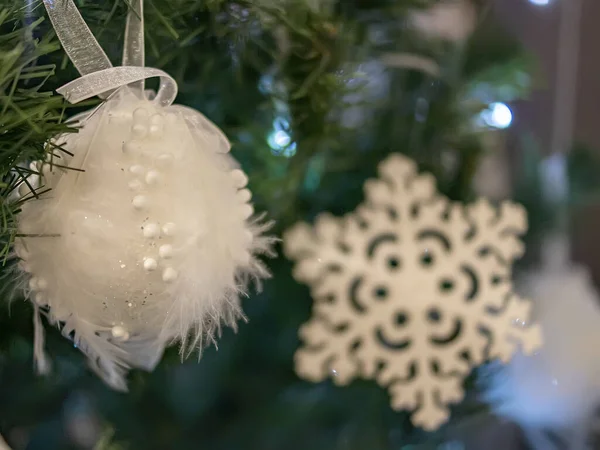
498	115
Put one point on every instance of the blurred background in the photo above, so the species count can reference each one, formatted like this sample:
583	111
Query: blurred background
495	98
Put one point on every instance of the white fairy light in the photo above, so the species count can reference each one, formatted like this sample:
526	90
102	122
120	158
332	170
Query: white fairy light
280	140
498	115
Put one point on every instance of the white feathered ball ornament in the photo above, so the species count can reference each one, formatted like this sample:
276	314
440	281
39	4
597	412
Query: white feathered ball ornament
558	388
148	239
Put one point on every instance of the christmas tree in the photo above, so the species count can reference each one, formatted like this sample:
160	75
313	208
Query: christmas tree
313	96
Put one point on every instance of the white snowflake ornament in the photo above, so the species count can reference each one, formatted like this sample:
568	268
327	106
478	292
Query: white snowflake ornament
411	290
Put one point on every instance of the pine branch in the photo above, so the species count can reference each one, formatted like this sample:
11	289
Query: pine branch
29	115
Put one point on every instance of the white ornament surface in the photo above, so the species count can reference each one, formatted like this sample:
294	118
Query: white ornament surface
147	242
408	285
558	387
3	444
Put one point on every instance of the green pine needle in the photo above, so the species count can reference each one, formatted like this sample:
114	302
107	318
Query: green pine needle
29	116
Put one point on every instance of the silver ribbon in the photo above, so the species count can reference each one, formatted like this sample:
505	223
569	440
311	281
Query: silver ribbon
99	77
133	51
108	80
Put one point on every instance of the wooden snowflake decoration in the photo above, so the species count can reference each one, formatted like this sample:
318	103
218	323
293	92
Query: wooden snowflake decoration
411	290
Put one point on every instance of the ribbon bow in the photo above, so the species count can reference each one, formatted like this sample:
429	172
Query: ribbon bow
98	76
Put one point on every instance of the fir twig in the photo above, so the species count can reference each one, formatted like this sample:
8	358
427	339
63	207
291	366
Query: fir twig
29	117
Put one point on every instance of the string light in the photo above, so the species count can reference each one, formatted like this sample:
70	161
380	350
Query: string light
498	115
280	139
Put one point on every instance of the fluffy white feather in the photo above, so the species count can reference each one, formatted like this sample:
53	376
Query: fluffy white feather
149	241
559	387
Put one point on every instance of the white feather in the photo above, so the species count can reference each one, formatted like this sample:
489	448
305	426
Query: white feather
559	387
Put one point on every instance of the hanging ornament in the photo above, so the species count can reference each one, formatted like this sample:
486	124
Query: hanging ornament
411	290
557	388
147	238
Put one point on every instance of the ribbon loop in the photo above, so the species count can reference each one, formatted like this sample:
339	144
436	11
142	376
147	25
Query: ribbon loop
77	39
99	77
107	80
133	50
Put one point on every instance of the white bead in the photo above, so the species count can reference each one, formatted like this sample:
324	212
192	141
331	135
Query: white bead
131	146
156	131
166	159
246	210
40	299
165	251
156	119
156	125
42	284
244	195
239	178
118	332
140	201
33	283
150	264
151	230
169	275
153	177
135	185
139	130
169	229
137	169
140	115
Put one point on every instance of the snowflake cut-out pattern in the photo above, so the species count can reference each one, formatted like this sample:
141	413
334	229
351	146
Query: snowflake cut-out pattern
411	290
